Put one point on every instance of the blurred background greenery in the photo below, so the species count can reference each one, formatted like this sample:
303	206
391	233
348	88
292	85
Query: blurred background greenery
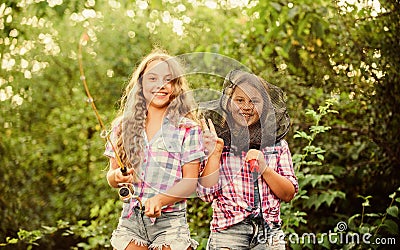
53	191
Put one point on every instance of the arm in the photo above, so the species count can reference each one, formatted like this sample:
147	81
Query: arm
209	177
114	175
214	145
280	185
181	190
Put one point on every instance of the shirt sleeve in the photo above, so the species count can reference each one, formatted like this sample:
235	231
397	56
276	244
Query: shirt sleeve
285	165
192	146
207	194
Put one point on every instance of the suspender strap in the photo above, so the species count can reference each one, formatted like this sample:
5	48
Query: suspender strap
257	201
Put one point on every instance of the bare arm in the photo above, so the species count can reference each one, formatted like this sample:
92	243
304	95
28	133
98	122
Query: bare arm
279	184
214	145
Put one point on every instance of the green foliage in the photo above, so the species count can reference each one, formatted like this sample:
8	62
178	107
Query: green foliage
312	190
52	168
29	237
199	216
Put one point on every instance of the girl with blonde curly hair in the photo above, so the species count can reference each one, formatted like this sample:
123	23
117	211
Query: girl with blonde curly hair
159	141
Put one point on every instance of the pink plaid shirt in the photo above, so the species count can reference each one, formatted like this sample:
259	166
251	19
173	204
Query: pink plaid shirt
235	189
164	156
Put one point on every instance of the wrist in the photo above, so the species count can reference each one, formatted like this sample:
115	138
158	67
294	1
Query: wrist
111	178
266	171
214	156
162	199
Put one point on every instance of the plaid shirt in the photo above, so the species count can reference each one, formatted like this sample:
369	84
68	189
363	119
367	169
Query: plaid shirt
164	155
233	197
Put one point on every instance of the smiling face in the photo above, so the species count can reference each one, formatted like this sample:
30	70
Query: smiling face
246	105
157	85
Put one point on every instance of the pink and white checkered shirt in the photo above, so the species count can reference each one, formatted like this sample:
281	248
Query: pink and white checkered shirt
235	189
164	155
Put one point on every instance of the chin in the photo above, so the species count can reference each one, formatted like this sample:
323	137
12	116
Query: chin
242	123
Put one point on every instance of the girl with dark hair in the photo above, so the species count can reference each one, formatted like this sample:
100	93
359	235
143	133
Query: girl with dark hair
256	170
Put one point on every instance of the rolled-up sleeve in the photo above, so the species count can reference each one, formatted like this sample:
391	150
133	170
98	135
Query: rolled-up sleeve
192	148
285	165
207	194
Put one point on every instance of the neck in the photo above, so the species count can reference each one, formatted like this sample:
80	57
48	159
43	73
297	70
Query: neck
155	113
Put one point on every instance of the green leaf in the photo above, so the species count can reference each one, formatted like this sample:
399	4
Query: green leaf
302	134
282	52
11	240
373	215
319	129
312	113
326	241
364	229
49	230
351	222
313	163
391	227
393	211
366	203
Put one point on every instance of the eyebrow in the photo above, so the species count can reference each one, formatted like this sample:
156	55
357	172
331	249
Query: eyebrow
257	98
155	74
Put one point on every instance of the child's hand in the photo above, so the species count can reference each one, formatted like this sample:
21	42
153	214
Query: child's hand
119	177
153	207
212	143
254	154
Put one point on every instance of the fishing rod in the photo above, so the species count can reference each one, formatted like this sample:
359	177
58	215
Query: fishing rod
127	190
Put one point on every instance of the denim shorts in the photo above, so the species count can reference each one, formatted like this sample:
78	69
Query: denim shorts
243	235
171	229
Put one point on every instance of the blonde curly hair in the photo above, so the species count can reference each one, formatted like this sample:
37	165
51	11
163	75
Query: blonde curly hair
132	115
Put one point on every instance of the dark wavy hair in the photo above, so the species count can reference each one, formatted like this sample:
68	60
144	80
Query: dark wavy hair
274	120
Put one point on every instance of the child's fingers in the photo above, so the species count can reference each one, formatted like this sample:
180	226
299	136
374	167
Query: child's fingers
212	128
149	210
252	154
157	212
204	126
146	206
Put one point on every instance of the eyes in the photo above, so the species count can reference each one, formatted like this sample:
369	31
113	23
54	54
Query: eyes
243	101
156	78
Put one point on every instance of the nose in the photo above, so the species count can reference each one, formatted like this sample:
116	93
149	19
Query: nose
160	84
247	105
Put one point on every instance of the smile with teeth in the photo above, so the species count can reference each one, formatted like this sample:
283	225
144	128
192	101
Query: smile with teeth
247	116
160	93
